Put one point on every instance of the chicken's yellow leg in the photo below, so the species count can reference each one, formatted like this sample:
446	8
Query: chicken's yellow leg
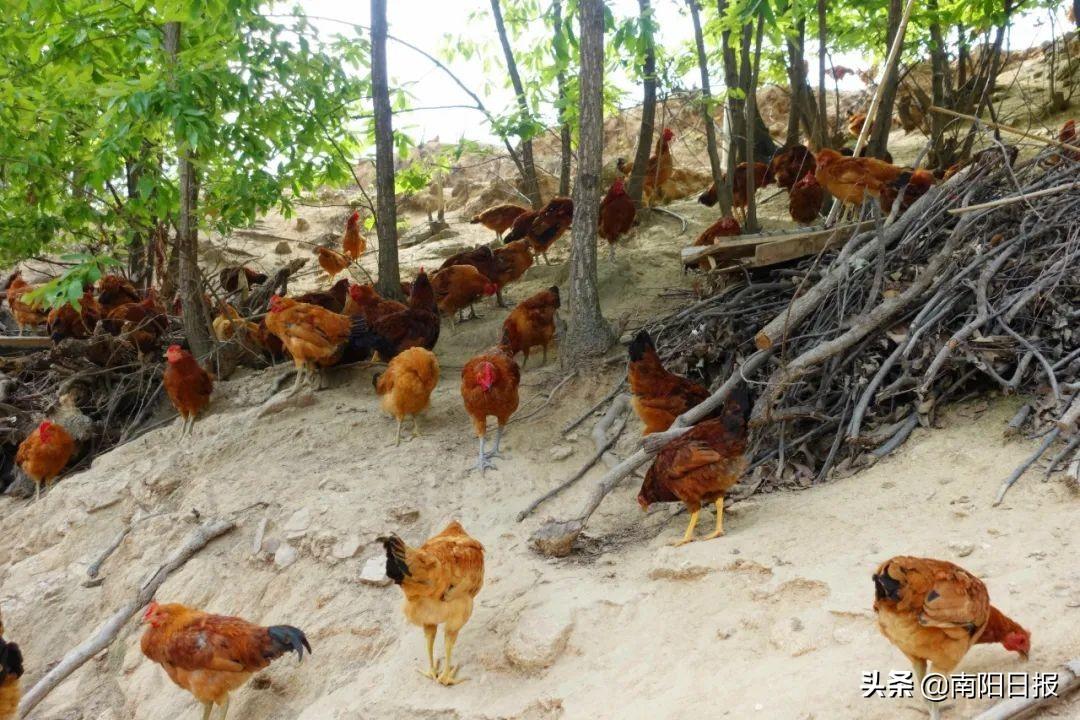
433	670
719	521
449	673
415	426
225	708
397	438
689	535
207	708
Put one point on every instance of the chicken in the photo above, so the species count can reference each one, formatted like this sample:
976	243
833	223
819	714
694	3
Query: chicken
658	170
791	165
934	611
11	669
805	200
541	228
916	185
352	242
140	323
67	322
458	287
701	465
739	195
26	313
406	386
228	322
114	291
489	386
1068	136
44	454
617	213
850	178
856	122
483	259
331	261
531	323
238	276
188	386
439	579
313	336
658	395
512	261
212	655
365	300
415	326
726	226
499	218
850	152
333	299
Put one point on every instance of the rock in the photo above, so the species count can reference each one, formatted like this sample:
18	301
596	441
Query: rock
302	225
540	637
297	525
374	572
785	636
962	548
271	545
282	248
285	556
672	564
405	514
346	548
561	452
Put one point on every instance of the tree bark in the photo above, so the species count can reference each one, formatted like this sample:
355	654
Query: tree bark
751	130
879	134
939	63
797	80
821	135
389	283
531	187
566	151
195	316
648	106
588	334
722	194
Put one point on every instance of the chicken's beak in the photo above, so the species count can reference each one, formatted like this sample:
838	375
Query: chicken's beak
1023	656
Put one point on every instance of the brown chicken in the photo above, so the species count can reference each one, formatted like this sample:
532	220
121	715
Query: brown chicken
238	276
658	170
791	165
212	655
114	291
67	322
726	226
365	300
227	323
140	323
439	580
512	261
542	228
855	123
352	242
415	326
11	669
531	323
458	287
805	200
1068	136
617	213
499	218
406	386
702	465
313	336
658	395
333	299
739	196
27	314
934	611
188	385
489	386
331	261
918	183
44	454
849	179
483	259
850	152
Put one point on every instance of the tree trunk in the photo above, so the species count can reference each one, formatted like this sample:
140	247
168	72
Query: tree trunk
722	195
648	106
751	130
531	187
939	62
879	133
588	334
990	80
797	80
566	152
196	317
735	120
821	135
139	264
961	57
389	283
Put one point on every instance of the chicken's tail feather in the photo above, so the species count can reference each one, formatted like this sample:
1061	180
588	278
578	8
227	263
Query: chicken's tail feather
396	566
902	179
363	341
886	587
286	639
11	660
475	219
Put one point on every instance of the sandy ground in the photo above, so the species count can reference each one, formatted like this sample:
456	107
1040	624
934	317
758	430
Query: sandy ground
771	621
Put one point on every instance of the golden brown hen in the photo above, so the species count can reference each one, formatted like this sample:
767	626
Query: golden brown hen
659	396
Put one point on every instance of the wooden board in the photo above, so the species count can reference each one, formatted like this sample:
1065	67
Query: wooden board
769	249
25	341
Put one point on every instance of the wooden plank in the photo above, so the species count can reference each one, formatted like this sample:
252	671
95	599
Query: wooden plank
778	252
747	245
25	341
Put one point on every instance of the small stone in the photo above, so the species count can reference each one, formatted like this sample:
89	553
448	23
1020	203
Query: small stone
302	225
271	545
282	248
297	525
672	564
962	548
346	548
561	452
572	437
724	633
405	514
540	637
374	572
285	556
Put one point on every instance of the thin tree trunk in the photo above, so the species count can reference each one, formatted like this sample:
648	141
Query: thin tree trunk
722	195
735	120
822	130
588	334
531	187
939	62
751	129
196	317
961	57
566	151
879	133
389	283
139	265
990	79
797	80
648	106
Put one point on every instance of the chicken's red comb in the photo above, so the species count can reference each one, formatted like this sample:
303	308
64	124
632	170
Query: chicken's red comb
150	609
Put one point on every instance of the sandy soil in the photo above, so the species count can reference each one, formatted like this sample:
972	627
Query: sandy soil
771	621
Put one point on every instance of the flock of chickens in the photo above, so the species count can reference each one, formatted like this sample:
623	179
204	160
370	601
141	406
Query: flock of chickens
933	610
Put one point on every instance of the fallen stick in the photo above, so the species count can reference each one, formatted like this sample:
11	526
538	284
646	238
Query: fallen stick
678	217
108	631
1067	422
1019	471
1065	452
1068	680
581	418
95	567
1012	199
1006	128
